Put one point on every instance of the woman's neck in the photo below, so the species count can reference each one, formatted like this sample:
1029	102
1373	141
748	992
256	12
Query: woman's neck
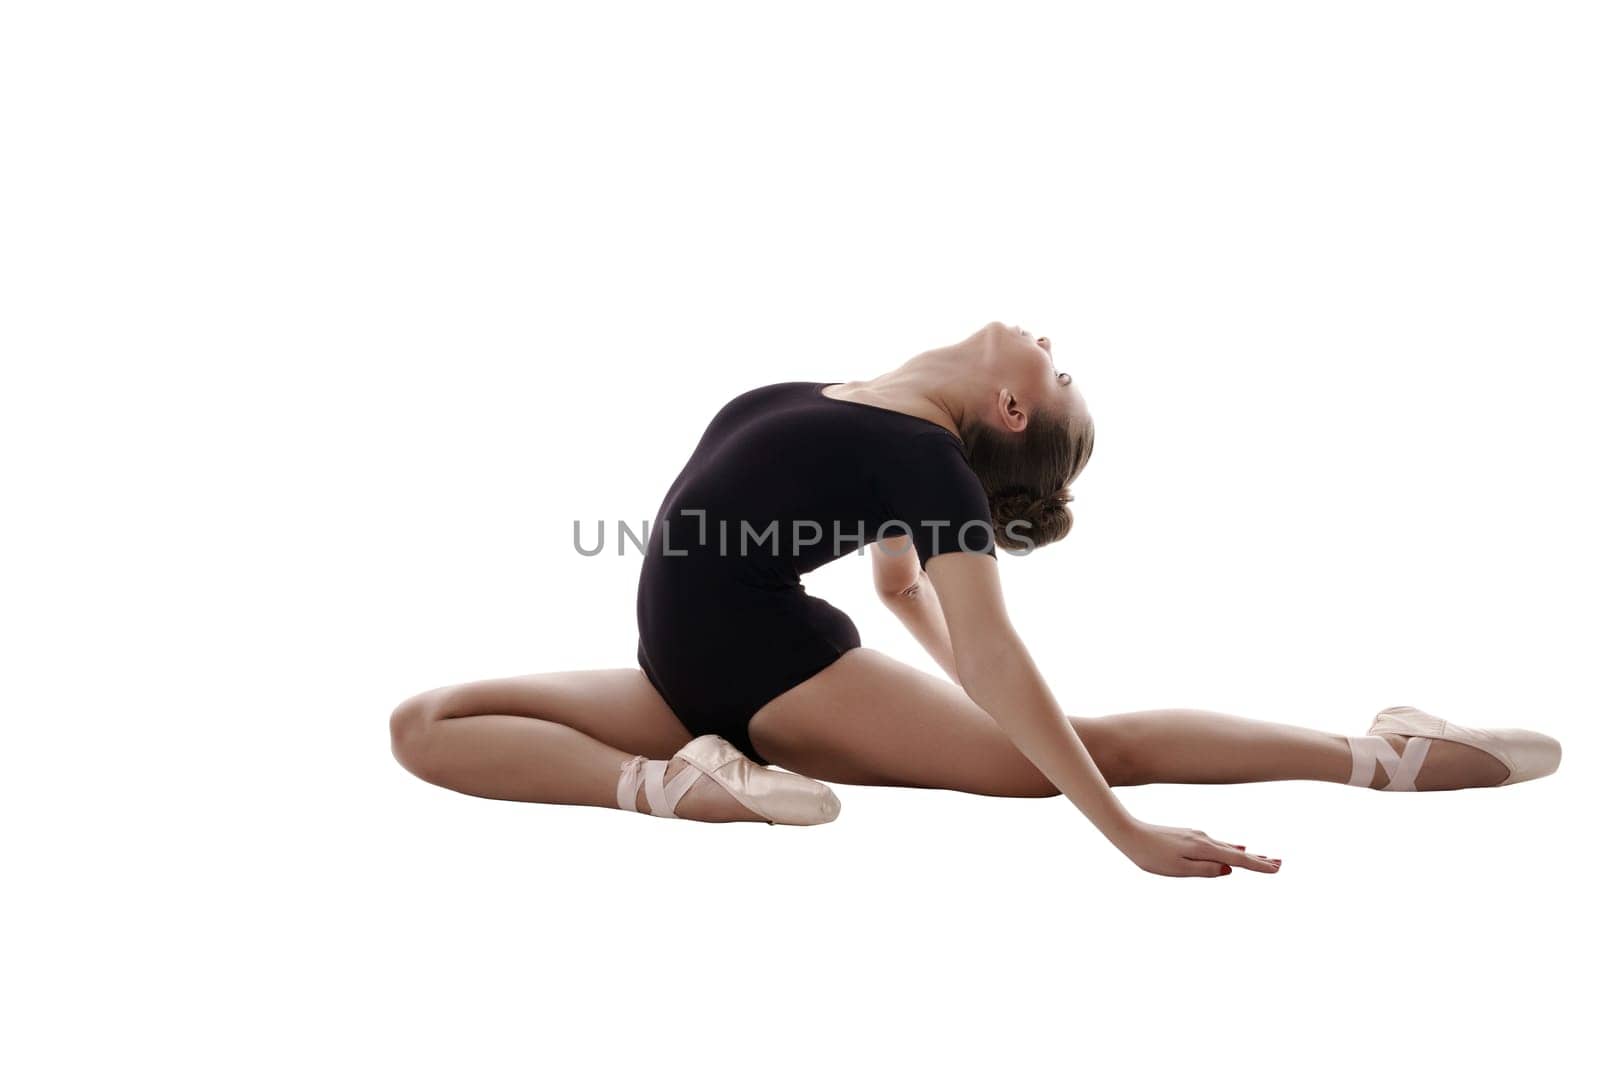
935	385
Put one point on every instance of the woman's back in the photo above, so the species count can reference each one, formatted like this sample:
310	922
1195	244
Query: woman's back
785	479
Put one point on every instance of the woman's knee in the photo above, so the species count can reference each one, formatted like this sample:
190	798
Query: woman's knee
1112	745
409	727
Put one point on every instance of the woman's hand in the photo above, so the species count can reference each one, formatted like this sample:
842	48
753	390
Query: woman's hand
1002	679
1182	853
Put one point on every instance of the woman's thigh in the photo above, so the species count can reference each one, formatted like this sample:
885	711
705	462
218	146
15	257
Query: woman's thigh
618	707
868	719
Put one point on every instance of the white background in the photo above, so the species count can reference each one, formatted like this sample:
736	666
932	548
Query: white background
323	321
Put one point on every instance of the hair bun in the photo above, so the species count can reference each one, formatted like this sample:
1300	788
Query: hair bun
1025	521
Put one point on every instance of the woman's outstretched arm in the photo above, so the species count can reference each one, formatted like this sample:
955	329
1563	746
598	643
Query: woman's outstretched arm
908	594
1000	676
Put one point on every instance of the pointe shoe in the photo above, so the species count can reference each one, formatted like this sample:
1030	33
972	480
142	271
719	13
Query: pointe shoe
775	796
1526	754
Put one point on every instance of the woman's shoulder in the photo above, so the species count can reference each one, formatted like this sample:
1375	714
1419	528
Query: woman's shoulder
759	401
766	394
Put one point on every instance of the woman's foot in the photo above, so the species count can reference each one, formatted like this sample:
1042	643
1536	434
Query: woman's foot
1449	765
709	780
1408	749
706	800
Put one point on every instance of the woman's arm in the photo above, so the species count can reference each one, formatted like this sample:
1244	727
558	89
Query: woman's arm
908	594
1000	677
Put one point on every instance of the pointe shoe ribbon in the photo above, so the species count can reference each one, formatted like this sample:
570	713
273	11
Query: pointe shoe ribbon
660	798
778	797
1368	753
1525	753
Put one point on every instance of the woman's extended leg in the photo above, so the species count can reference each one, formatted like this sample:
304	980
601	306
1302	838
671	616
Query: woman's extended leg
548	738
871	720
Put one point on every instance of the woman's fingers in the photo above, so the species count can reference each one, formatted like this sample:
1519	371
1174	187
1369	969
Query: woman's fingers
1248	860
1236	859
1203	869
1195	854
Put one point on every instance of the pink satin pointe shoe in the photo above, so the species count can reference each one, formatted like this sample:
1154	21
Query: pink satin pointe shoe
1526	754
775	796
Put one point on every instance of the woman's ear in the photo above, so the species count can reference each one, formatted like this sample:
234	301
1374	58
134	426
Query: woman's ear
1012	417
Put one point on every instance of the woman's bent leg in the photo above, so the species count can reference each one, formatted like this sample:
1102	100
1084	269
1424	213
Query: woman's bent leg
553	739
871	720
546	738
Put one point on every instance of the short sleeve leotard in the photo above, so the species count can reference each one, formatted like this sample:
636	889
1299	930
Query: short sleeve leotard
783	480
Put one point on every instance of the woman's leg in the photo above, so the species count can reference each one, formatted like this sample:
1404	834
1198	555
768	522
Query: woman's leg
549	739
871	720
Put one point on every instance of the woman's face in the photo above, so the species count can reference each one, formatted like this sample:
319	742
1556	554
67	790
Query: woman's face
1025	365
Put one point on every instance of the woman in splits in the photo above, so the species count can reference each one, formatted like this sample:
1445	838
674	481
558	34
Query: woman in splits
930	464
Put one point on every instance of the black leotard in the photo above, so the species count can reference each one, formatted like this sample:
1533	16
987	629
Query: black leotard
784	480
